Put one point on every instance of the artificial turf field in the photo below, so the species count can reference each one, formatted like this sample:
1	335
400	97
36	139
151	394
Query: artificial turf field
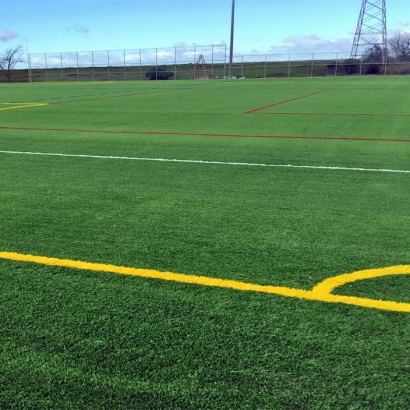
280	183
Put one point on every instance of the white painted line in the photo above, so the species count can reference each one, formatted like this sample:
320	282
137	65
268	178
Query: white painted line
195	161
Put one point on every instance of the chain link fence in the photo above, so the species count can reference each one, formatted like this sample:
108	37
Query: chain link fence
196	62
123	65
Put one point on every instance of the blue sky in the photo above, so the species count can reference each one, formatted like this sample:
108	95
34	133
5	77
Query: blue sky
261	26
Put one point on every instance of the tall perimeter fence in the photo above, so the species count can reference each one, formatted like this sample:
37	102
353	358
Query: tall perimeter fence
195	62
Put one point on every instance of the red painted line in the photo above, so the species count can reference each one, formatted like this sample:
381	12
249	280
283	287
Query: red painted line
193	134
283	102
333	114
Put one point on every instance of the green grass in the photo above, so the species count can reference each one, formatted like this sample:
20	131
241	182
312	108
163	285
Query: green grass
78	339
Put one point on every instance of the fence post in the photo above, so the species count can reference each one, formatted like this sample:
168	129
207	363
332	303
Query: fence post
194	61
45	58
264	69
62	73
140	67
212	64
289	67
124	67
30	80
337	56
225	62
156	64
108	67
311	69
175	68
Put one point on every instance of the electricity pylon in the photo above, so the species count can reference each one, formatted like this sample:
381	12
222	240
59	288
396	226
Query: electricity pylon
200	61
371	29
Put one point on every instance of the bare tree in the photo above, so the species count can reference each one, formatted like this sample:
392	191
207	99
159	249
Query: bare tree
9	59
399	44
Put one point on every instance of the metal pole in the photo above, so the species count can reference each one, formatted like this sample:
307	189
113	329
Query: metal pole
264	69
124	65
231	42
212	66
337	55
28	63
62	73
175	69
385	64
289	67
140	67
92	59
45	59
108	61
30	77
156	64
311	70
225	63
78	76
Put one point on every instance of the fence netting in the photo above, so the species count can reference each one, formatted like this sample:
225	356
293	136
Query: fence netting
198	62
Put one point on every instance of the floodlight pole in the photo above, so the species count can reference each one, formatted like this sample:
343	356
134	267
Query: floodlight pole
231	43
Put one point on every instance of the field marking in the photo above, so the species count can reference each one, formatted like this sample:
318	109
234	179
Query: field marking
194	161
196	134
333	114
22	105
321	292
283	102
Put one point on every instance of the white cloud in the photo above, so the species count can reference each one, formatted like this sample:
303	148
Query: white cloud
404	23
312	43
218	43
179	44
7	35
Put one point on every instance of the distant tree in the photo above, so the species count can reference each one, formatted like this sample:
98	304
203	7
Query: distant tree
9	59
158	73
399	45
373	54
373	59
351	66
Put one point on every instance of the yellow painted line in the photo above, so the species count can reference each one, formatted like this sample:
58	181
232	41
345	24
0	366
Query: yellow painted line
328	285
23	106
321	292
